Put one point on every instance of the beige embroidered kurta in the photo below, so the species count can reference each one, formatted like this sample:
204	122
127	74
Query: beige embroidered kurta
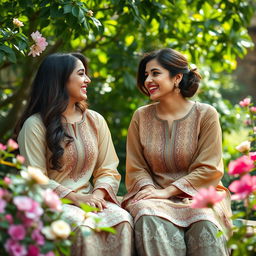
188	156
91	154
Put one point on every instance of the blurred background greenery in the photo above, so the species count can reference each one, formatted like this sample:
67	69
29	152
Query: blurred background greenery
217	36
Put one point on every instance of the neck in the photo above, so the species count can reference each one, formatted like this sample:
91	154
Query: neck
70	110
172	105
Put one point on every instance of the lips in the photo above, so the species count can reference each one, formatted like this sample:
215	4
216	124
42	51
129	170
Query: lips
83	89
152	88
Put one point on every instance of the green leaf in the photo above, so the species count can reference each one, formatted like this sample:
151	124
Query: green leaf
96	22
5	49
88	208
67	9
108	229
66	201
75	11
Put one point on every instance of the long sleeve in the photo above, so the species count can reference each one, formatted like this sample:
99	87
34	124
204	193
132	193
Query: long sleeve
137	168
32	145
105	175
206	168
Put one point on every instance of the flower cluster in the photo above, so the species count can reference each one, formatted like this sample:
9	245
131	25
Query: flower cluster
243	188
39	41
31	221
17	22
39	46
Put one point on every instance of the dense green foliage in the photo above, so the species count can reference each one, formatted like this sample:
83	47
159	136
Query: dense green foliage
211	33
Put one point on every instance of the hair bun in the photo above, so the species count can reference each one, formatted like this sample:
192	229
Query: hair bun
192	83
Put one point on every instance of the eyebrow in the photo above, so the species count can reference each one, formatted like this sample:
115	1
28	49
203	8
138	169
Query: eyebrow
81	69
153	69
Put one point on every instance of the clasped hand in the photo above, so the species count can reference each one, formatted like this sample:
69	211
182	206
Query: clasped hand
96	199
149	191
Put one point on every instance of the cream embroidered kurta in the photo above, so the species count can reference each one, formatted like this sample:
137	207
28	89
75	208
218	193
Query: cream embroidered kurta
91	154
188	156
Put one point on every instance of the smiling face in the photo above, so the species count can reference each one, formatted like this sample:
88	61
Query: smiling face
77	83
158	81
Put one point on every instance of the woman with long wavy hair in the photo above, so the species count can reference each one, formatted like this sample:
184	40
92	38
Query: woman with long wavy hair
70	144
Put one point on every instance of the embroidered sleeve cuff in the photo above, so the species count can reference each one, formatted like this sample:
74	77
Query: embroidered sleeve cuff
185	187
136	188
109	190
62	191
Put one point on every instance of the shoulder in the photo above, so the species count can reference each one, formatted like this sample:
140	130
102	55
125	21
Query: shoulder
94	116
205	110
144	110
34	122
32	127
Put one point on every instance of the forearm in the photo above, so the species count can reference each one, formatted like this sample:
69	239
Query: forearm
172	191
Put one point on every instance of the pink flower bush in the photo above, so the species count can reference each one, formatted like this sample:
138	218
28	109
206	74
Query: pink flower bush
243	187
245	102
240	166
206	197
26	209
39	46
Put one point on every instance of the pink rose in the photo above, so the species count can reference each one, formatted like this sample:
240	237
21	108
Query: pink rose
33	250
35	211
253	109
12	145
2	205
49	254
52	200
2	192
38	237
252	156
7	180
240	166
2	147
17	232
243	187
245	102
206	197
23	203
14	248
9	218
39	46
20	159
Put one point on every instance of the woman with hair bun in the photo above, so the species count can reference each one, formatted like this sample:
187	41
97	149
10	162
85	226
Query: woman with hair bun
174	148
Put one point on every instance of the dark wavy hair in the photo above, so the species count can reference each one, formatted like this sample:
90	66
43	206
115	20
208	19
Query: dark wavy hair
49	98
175	63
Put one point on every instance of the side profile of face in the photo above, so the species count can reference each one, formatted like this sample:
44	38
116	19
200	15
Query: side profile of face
77	83
158	81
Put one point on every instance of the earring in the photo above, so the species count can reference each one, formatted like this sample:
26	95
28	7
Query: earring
177	89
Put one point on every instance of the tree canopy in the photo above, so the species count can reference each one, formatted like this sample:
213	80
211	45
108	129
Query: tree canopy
113	35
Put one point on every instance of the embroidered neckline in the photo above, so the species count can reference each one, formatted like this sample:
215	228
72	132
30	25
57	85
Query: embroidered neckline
176	120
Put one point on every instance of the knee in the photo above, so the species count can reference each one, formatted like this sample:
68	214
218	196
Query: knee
203	229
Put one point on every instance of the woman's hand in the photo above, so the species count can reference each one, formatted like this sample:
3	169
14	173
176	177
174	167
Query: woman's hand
150	191
94	200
